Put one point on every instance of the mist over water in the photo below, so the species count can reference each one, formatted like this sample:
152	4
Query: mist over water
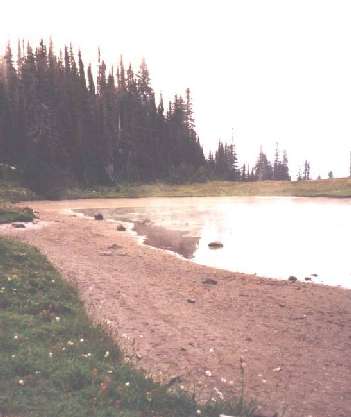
274	237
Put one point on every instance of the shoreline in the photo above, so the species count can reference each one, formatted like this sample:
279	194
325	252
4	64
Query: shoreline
143	293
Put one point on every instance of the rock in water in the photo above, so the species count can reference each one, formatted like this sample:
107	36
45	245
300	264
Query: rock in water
98	216
121	228
292	278
308	279
215	245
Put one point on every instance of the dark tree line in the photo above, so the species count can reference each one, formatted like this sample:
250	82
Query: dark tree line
59	122
224	165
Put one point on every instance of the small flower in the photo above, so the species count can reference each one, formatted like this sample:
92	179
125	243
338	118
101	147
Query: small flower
181	387
37	372
107	354
88	355
198	412
223	380
211	350
57	318
127	384
20	382
63	348
264	381
9	279
50	354
219	393
13	356
149	396
109	372
231	382
70	343
208	373
15	336
52	280
81	340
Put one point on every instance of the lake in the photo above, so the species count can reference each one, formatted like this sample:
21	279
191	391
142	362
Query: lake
274	237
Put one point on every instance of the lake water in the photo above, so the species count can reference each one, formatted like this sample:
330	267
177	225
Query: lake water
273	237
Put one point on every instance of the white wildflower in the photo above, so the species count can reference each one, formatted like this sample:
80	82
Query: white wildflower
20	382
57	318
219	393
211	350
109	372
208	373
127	384
70	343
223	380
15	336
52	280
198	412
51	354
81	340
13	356
231	382
181	387
107	354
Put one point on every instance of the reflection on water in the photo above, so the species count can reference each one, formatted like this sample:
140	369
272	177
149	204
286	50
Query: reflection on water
272	237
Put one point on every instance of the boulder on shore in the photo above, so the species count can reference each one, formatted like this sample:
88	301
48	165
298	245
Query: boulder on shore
209	281
98	216
292	278
18	225
121	228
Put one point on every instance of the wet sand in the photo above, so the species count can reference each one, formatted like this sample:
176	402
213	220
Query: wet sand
295	338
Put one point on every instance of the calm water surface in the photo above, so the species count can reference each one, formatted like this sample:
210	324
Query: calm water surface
272	237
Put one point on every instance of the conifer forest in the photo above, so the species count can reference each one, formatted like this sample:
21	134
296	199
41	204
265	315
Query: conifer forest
63	122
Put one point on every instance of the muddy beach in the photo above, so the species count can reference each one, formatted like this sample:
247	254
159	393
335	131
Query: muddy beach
180	319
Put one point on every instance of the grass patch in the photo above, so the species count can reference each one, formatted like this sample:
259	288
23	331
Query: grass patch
54	362
337	188
10	215
12	190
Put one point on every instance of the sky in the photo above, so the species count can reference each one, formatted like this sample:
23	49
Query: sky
260	71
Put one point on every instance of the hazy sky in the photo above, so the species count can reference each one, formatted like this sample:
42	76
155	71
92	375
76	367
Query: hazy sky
271	70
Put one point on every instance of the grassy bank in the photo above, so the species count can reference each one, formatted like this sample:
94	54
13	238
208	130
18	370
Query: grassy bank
10	214
53	362
13	191
338	188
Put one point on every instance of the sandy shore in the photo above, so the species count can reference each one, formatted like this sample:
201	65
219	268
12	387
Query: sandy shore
295	338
